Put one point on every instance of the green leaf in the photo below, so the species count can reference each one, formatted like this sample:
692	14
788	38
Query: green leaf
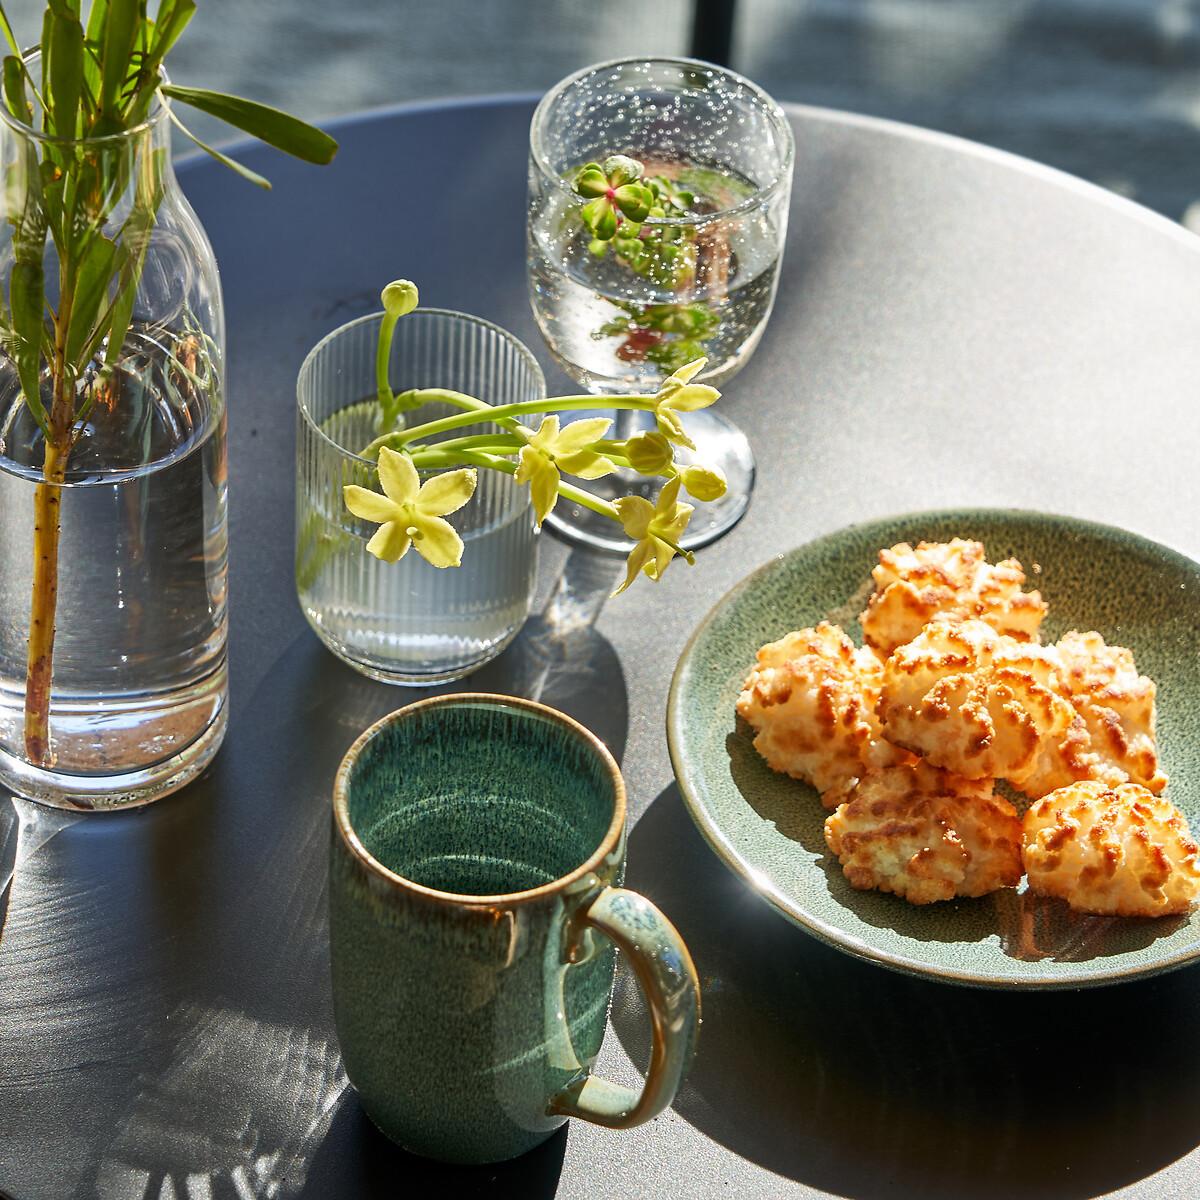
599	217
47	45
66	73
173	18
135	237
120	34
590	180
634	201
244	171
14	90
97	19
9	36
93	44
26	295
100	259
270	125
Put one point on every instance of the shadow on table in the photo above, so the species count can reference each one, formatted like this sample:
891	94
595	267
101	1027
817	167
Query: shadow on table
870	1084
182	992
356	1160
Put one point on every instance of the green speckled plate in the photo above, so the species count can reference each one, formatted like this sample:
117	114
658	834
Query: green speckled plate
769	828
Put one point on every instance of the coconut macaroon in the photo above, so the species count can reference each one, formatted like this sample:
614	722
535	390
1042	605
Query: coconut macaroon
1116	704
926	835
1111	739
973	701
811	699
1119	851
912	586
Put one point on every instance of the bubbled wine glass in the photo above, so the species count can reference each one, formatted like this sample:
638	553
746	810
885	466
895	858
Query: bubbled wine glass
695	279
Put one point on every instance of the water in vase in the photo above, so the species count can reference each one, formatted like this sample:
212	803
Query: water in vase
139	656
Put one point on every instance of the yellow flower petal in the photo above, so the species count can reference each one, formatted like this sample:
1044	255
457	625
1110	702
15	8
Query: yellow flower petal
636	514
671	427
390	543
446	493
638	557
437	543
688	371
692	397
371	506
397	476
662	557
587	464
672	527
547	434
579	434
667	496
543	487
527	463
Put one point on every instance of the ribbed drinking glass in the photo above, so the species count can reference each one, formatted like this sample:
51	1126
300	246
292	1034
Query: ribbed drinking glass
409	622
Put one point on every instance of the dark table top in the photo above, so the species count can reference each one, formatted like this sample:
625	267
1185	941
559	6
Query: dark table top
954	327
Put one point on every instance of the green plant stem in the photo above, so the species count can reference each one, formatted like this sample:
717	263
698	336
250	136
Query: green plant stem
415	397
383	352
433	459
496	414
495	443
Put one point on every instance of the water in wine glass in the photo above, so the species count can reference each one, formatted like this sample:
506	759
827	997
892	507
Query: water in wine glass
621	316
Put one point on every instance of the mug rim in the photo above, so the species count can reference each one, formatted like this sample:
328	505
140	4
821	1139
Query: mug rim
346	831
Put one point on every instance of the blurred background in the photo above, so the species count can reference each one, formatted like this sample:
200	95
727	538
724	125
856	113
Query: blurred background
1106	89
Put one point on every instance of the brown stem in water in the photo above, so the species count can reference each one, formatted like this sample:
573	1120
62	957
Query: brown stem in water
47	525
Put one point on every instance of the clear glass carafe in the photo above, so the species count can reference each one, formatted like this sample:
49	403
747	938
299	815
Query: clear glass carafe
133	582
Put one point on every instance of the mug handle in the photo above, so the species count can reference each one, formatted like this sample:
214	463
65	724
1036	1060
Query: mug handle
667	976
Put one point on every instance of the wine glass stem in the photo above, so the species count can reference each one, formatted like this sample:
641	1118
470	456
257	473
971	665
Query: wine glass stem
626	424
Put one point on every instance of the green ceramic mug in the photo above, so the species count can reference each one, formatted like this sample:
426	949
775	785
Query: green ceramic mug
475	898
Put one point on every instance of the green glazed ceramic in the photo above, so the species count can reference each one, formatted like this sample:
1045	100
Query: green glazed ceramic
478	848
769	828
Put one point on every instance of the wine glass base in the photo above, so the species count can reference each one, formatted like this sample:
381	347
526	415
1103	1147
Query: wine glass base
719	443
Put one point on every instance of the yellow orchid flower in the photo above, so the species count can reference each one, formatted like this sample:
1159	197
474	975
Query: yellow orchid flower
678	394
656	528
410	512
551	450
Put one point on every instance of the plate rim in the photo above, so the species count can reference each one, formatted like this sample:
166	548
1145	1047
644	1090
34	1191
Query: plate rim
796	914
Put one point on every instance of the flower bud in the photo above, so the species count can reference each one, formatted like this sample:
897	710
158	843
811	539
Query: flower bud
620	168
399	298
649	453
705	483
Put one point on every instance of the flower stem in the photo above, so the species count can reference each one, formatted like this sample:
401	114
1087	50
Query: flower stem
416	397
495	414
383	353
437	457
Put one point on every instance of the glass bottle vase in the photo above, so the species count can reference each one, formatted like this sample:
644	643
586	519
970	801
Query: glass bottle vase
113	482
